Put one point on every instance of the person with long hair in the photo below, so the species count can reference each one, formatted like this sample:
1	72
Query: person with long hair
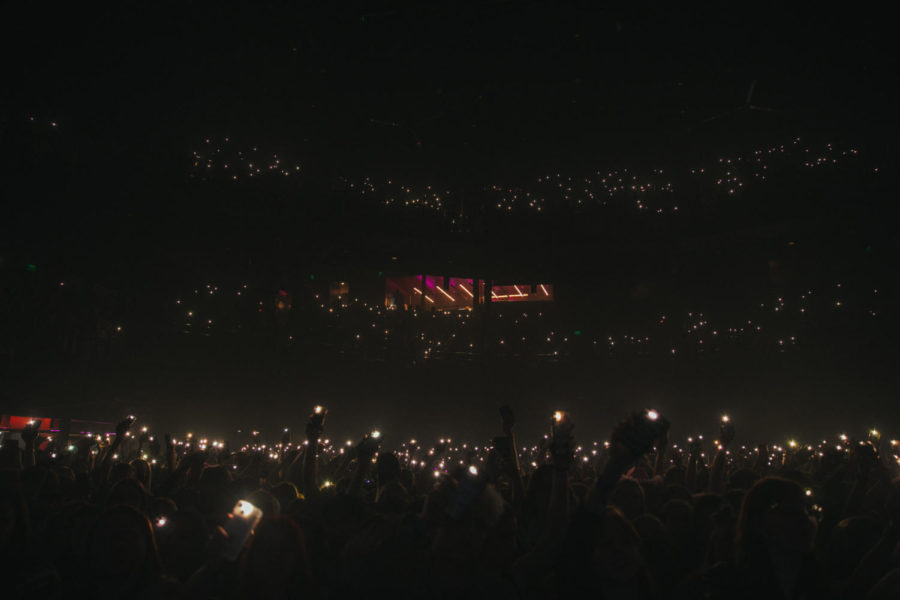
775	536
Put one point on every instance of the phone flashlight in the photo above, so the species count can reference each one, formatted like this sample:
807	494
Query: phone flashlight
652	415
725	418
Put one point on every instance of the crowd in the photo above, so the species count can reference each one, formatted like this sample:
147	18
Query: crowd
356	326
132	515
649	191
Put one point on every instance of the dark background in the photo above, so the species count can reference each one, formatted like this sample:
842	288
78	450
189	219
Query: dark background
101	111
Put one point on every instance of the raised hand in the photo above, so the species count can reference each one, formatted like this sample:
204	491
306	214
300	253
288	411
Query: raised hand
865	458
315	426
123	426
314	432
726	432
635	435
562	450
368	446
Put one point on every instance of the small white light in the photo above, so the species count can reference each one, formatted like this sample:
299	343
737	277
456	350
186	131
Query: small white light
244	508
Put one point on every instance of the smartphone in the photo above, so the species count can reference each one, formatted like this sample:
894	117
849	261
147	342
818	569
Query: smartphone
318	415
561	423
726	429
649	426
162	528
655	423
242	520
506	414
874	437
372	440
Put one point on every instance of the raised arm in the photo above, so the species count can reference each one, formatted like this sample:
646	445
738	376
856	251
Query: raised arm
29	436
631	439
365	450
720	462
314	430
762	460
661	465
511	456
121	429
170	454
696	449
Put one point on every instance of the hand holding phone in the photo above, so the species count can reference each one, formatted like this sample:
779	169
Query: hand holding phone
561	425
367	448
726	431
635	436
318	415
865	455
874	437
241	522
315	426
562	440
124	425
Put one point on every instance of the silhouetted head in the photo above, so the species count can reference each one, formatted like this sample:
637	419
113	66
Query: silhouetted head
128	492
628	497
276	563
387	468
773	519
122	551
266	502
183	539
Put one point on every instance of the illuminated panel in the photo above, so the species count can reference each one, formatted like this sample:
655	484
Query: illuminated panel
453	293
522	293
21	422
